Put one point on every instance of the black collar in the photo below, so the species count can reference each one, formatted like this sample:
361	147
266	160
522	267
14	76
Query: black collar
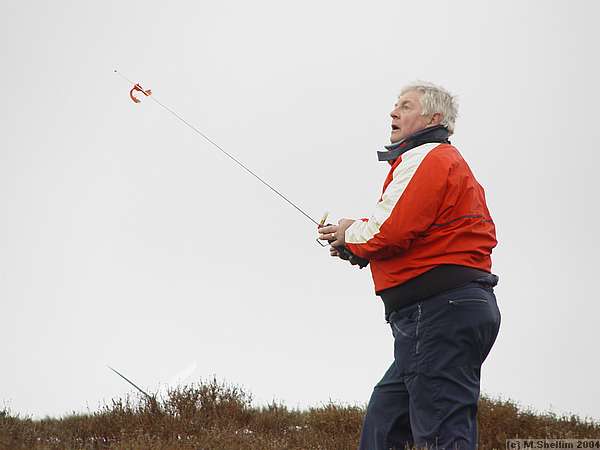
438	133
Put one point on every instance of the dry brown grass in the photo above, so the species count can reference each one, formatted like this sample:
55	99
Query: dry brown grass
218	416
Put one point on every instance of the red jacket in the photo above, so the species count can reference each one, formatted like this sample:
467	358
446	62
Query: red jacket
432	211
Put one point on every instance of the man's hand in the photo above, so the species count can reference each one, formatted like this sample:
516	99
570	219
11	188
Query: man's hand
335	234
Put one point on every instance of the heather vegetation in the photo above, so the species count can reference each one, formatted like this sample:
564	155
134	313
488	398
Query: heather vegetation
216	416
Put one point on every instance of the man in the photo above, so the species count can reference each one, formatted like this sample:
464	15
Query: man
428	243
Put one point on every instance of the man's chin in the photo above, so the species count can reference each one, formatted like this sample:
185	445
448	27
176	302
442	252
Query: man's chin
396	136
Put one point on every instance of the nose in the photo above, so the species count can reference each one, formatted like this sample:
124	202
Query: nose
394	113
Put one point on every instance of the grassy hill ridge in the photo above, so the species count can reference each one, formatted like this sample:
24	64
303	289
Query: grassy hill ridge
213	415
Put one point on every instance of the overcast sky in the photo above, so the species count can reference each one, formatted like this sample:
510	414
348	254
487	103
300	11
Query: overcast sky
127	240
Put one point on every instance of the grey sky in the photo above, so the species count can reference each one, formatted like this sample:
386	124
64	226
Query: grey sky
127	240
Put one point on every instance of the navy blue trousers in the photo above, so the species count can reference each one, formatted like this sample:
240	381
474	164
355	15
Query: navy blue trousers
428	397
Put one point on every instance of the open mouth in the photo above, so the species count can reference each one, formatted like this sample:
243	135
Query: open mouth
395	127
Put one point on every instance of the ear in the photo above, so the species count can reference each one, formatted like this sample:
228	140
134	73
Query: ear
436	119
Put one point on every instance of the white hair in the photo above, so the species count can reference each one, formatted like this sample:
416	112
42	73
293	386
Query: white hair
435	99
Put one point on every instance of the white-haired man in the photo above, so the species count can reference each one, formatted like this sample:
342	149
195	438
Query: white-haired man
429	243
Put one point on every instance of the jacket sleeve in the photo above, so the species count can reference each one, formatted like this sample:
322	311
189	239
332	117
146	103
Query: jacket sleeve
408	207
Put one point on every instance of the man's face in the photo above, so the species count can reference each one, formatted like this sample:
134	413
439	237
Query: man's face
406	116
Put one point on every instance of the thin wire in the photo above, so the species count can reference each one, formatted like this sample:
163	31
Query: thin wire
130	382
233	158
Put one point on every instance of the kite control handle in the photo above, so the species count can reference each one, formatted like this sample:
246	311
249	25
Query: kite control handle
352	258
343	252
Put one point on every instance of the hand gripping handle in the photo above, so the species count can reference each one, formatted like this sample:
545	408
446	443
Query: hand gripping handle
346	254
352	258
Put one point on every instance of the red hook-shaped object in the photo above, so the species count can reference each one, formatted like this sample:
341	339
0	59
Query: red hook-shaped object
138	88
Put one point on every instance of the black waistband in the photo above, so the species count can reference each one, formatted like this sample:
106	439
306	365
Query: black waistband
432	282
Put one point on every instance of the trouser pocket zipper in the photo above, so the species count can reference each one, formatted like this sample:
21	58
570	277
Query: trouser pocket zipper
467	300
